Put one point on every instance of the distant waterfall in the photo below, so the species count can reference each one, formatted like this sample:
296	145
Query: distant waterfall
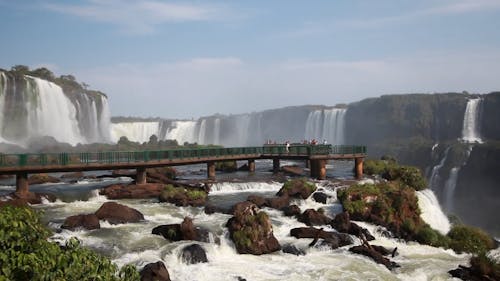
183	131
434	180
134	131
326	124
451	183
470	130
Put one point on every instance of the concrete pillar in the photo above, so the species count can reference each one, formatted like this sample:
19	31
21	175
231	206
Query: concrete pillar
251	165
22	186
308	163
358	167
318	169
211	170
140	176
276	165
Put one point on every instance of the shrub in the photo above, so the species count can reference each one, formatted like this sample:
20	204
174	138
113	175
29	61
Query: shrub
390	170
428	236
25	253
470	239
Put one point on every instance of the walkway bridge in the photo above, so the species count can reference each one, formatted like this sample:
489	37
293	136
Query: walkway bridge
316	156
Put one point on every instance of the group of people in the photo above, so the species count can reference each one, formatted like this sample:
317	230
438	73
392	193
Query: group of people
287	143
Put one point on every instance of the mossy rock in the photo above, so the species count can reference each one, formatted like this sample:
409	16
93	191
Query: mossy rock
300	187
390	170
183	196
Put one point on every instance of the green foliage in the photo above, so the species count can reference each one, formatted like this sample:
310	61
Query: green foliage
173	192
25	253
311	187
243	237
412	177
428	236
470	239
390	170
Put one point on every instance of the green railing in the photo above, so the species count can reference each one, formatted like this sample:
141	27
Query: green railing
113	157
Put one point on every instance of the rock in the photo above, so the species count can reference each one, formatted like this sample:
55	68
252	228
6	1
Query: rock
292	249
251	230
257	200
331	239
75	175
342	223
116	213
170	232
298	188
155	272
375	255
89	221
187	229
210	209
194	253
226	166
313	217
293	170
183	196
160	172
132	191
278	202
22	199
184	231
292	210
42	178
320	197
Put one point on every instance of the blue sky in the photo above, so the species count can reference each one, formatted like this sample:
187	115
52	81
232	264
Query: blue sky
184	59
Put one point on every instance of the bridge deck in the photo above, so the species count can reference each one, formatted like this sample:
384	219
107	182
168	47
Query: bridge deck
89	161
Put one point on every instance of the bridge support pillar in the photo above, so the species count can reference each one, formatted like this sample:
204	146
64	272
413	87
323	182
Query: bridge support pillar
22	186
140	176
308	163
251	165
318	169
211	170
358	167
276	165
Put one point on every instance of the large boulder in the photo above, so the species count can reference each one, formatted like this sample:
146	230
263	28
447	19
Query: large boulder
89	221
184	231
332	239
259	201
42	178
374	255
181	196
133	191
292	249
116	213
193	253
312	217
251	230
155	272
24	198
274	202
342	223
320	197
298	188
210	209
291	210
170	232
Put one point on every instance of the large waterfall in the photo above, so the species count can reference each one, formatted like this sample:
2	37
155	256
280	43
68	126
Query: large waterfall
326	124
31	107
134	131
470	131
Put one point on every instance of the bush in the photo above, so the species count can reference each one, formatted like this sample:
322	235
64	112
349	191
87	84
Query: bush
470	239
390	170
428	236
25	253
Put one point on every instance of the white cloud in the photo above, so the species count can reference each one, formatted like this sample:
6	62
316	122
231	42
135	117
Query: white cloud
205	86
139	16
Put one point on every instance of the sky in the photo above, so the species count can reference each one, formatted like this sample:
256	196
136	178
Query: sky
186	59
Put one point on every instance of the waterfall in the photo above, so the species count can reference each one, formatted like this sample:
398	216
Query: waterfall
431	211
216	131
434	179
202	131
326	124
449	189
134	131
470	130
183	131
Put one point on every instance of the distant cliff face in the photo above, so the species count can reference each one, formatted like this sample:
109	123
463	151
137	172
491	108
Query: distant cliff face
490	115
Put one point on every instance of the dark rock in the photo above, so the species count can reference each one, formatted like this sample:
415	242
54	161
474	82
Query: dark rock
24	198
251	230
332	239
320	197
293	170
257	200
210	209
373	254
116	213
184	231
133	191
292	210
298	188
292	249
194	253
155	272
381	249
278	202
42	178
342	223
90	221
170	232
313	217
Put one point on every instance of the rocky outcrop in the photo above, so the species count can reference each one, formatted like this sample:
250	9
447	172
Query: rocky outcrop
342	223
183	196
155	272
375	255
297	188
251	230
132	191
292	249
210	209
291	210
89	221
116	213
42	178
274	202
332	239
22	199
312	217
183	231
320	197
193	253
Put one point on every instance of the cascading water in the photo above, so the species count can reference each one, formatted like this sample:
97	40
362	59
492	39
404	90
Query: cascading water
183	131
326	124
134	131
434	180
216	131
470	130
431	211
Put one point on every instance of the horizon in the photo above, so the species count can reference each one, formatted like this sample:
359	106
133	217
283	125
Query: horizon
185	60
